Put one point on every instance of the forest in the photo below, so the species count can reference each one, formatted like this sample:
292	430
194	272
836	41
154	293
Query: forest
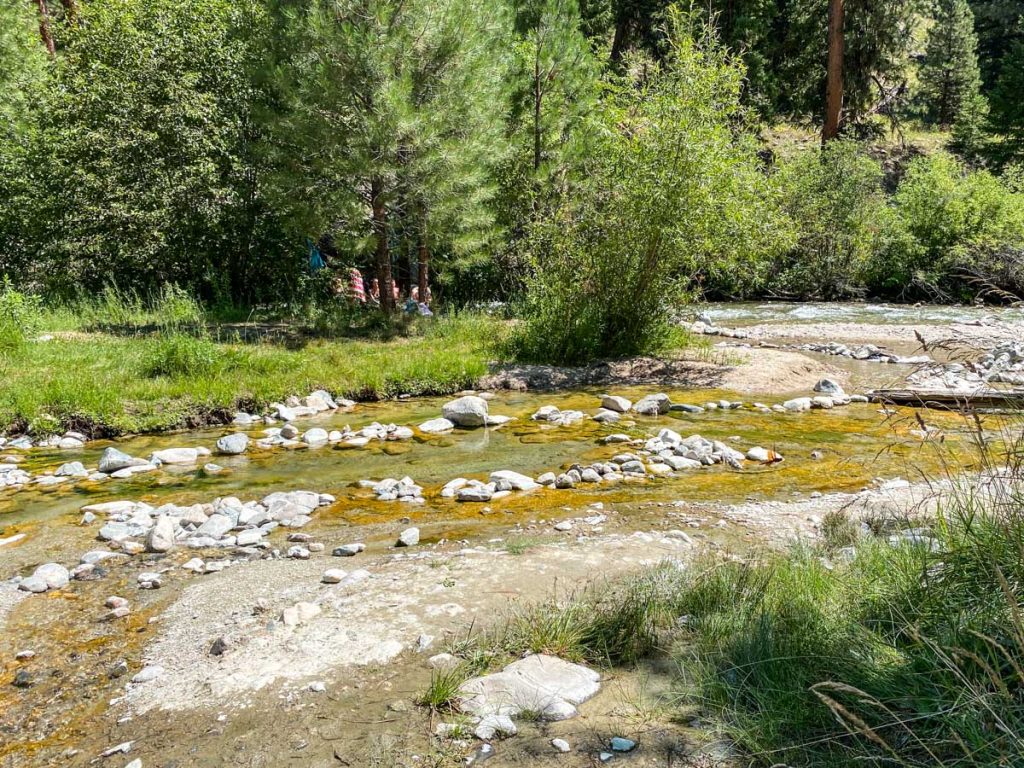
537	153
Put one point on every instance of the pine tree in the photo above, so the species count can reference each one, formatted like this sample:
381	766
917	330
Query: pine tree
396	111
949	75
557	74
1008	103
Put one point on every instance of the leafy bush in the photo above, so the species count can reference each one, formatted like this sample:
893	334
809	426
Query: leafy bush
673	199
20	317
181	355
961	224
835	201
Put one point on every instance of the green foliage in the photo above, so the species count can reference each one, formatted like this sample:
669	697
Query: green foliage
784	45
394	133
443	692
961	224
669	204
145	152
949	74
178	354
834	199
902	656
1007	104
20	316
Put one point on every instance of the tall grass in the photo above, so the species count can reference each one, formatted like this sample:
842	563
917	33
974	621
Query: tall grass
908	655
121	383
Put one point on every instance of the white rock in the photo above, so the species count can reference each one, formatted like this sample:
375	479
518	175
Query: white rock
615	403
468	411
161	535
410	537
333	576
148	673
300	613
234	444
175	456
315	436
540	684
436	426
54	575
518	481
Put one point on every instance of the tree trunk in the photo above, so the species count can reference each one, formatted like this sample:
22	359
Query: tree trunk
537	86
70	10
383	254
44	27
834	85
423	251
621	39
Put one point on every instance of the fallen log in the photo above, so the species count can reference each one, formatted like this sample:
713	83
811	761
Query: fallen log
950	399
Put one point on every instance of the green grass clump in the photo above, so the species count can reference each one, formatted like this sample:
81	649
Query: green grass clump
903	656
179	354
443	691
608	623
116	384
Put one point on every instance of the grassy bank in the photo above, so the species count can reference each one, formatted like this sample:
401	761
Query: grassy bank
111	384
861	650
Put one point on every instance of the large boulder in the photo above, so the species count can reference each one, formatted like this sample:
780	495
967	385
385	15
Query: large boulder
112	460
468	411
232	445
545	686
653	405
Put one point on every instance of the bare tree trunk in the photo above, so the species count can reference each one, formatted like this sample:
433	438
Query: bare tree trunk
834	85
44	27
383	253
423	250
620	41
537	90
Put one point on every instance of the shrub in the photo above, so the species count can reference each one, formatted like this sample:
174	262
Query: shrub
20	317
835	200
961	224
180	355
673	199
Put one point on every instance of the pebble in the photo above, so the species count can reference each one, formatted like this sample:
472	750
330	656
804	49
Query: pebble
348	550
410	537
24	655
560	745
333	576
317	686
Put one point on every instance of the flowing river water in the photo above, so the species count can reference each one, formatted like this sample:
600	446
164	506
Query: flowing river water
844	449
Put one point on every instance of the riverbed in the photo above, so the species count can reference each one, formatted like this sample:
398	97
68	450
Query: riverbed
473	560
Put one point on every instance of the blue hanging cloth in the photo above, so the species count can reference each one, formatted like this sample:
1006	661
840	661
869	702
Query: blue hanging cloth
316	260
